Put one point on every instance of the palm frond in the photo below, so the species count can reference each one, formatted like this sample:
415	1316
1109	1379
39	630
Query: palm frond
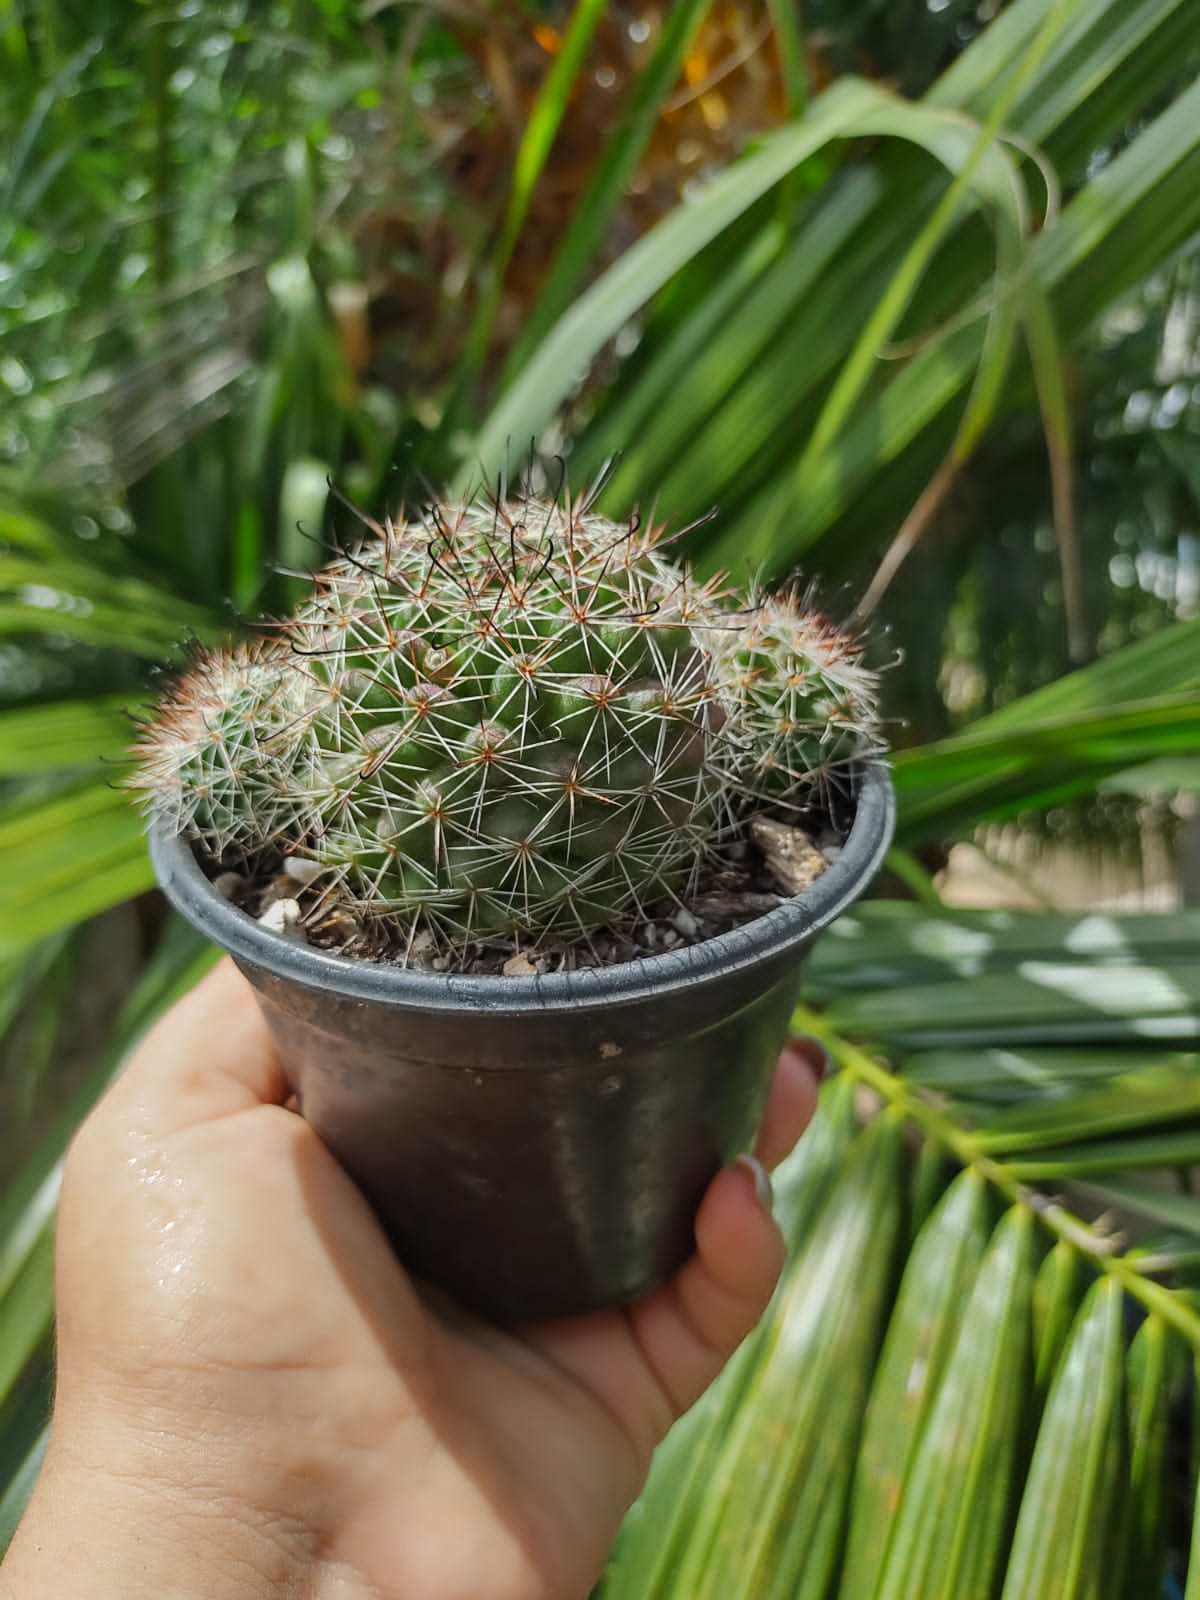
1010	1433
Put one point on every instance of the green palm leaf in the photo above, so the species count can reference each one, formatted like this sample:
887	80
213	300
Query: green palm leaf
1150	1379
64	734
1055	1302
948	1535
69	856
938	1280
1059	1546
849	109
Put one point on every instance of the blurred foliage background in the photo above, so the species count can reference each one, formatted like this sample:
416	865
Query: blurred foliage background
910	293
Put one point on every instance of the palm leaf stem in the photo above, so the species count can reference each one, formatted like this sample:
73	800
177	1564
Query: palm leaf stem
937	1125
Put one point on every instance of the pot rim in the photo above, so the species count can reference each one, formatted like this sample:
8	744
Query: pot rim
767	936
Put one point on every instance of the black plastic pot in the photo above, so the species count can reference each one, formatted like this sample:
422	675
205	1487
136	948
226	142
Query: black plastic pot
538	1146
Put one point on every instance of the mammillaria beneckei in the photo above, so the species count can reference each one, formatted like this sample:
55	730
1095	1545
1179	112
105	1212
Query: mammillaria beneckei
509	716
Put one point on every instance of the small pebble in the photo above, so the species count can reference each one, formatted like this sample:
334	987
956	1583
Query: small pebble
685	923
519	966
280	887
284	916
792	857
228	884
301	870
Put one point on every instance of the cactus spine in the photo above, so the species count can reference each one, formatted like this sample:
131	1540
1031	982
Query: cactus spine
507	717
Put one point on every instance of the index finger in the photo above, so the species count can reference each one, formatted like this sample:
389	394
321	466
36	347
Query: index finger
792	1100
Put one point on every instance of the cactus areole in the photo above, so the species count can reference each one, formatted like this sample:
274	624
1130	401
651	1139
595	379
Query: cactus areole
513	731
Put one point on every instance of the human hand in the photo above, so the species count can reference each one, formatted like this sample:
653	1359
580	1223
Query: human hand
254	1400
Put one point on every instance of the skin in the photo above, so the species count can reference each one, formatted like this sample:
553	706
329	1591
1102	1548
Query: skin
254	1400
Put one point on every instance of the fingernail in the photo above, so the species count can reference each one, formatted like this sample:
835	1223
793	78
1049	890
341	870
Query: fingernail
808	1045
762	1183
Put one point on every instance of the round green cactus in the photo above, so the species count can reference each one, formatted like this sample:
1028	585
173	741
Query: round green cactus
802	708
210	759
508	717
507	724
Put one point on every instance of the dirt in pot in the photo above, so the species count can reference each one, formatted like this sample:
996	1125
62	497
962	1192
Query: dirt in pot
773	860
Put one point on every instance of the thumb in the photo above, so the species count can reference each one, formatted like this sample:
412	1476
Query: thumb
210	1057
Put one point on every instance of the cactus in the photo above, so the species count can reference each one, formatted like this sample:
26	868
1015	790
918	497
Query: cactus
510	717
206	759
802	706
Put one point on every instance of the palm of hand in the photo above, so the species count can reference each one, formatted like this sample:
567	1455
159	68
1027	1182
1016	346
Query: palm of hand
232	1311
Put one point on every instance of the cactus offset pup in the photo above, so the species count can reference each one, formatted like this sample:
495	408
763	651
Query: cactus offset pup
506	720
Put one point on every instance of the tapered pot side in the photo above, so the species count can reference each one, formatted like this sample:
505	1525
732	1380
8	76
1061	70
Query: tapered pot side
538	1146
